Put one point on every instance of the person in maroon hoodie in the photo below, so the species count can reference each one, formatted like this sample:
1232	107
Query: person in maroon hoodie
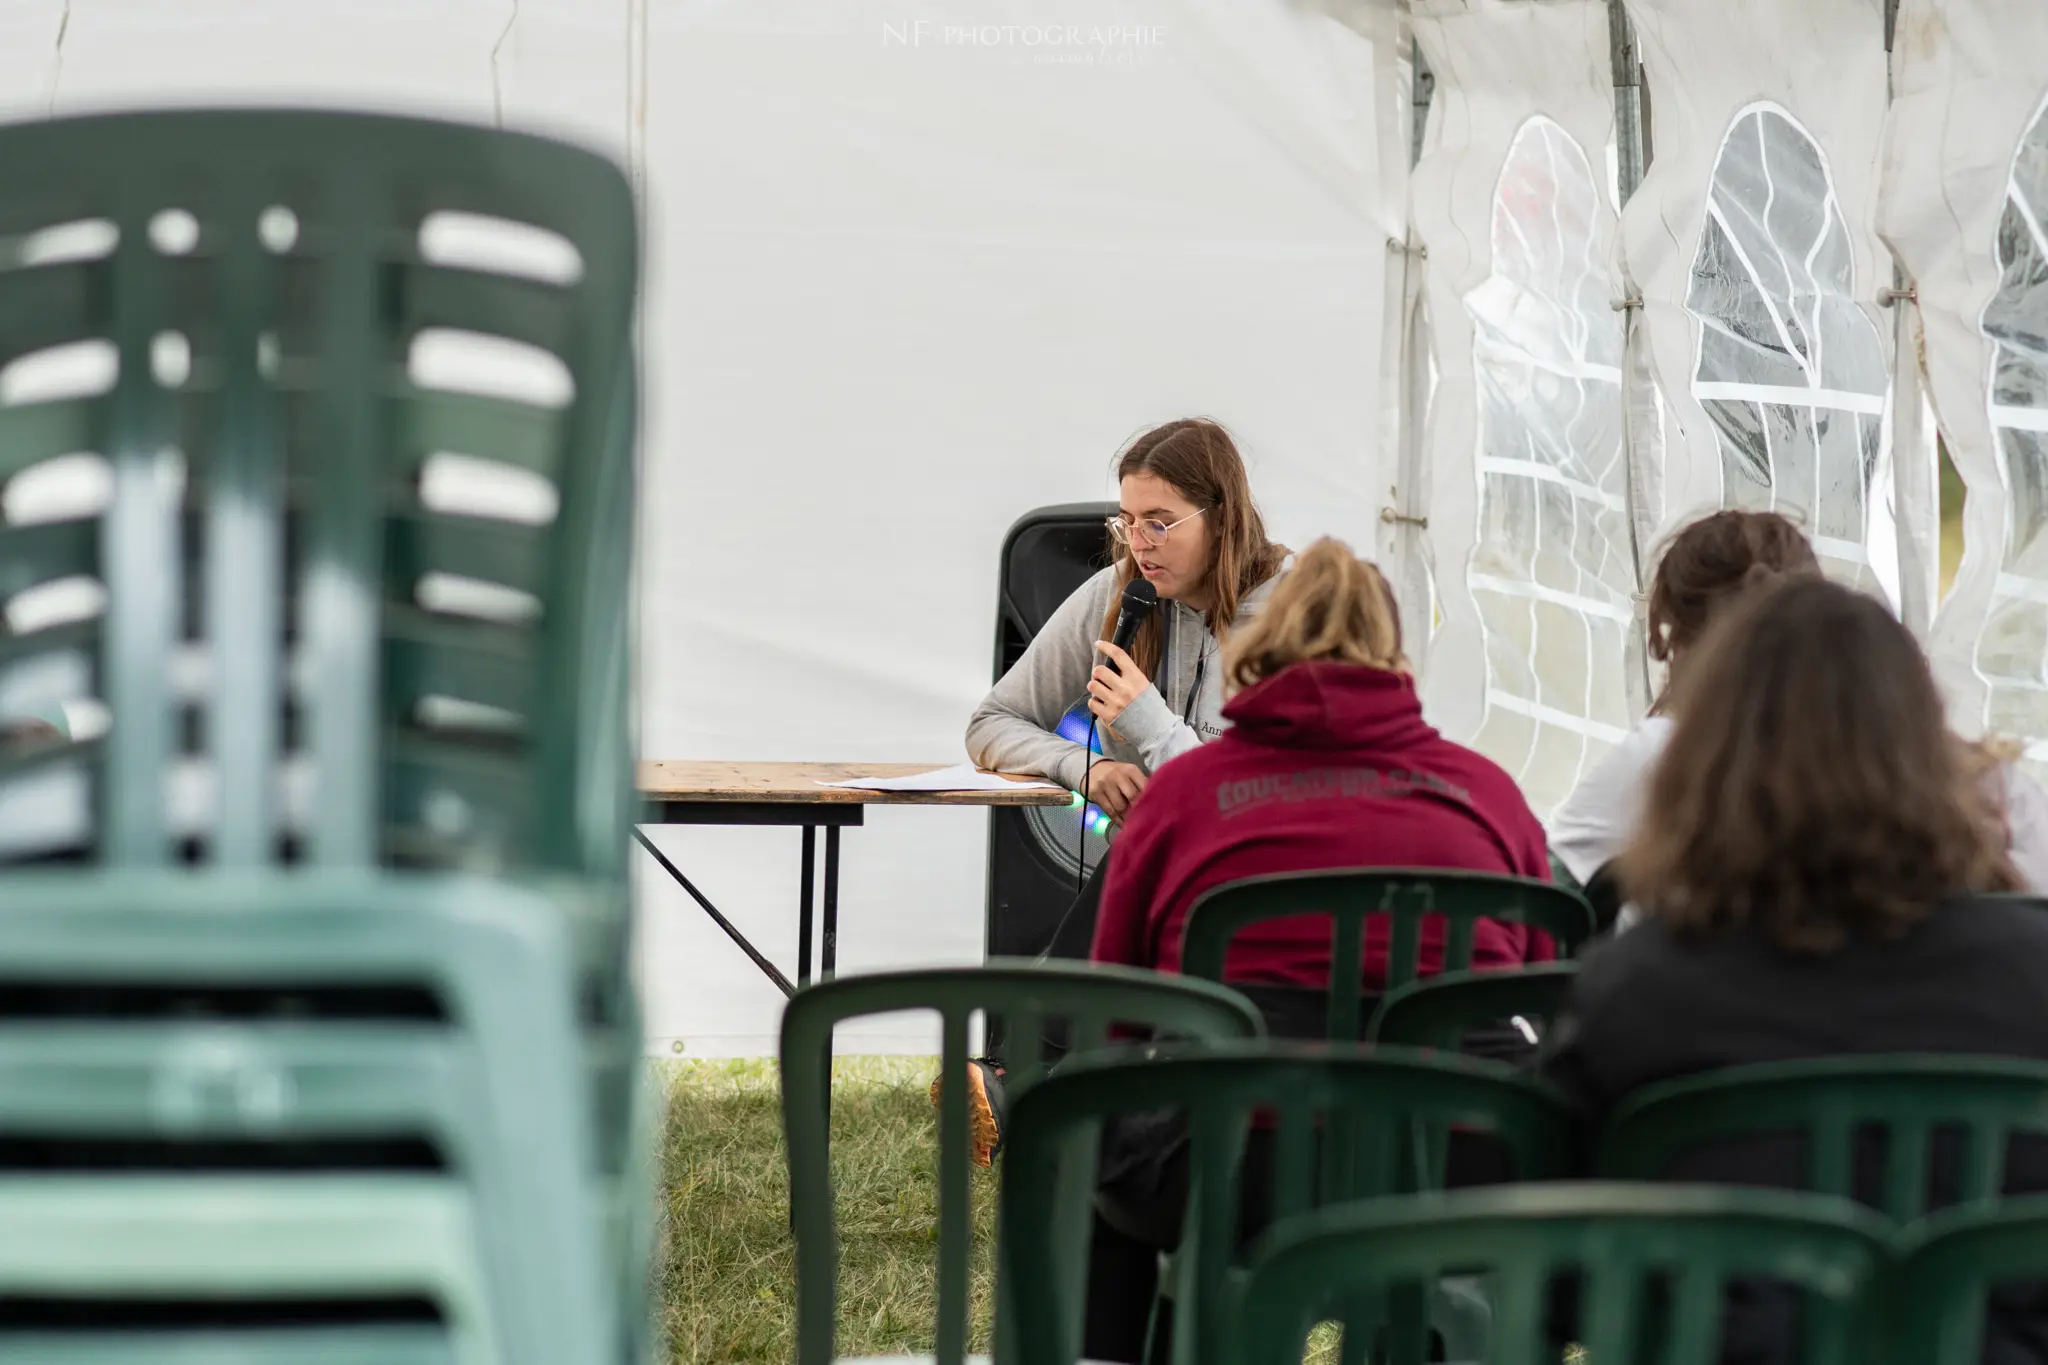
1327	763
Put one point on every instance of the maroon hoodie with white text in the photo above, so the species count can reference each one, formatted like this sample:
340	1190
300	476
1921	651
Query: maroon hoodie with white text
1325	765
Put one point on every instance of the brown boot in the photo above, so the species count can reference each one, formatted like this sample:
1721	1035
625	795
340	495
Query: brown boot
986	1109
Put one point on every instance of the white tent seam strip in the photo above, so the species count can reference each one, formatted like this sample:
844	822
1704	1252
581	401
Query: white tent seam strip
2019	419
1588	370
2007	682
1834	548
1536	469
1514	588
2023	587
1550	715
1789	395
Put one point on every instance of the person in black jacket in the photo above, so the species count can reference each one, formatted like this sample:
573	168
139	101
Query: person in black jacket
1812	864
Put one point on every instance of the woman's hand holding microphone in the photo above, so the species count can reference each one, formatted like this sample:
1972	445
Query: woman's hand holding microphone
1114	786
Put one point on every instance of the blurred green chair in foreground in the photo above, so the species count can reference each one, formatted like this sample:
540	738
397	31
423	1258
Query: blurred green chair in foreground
341	626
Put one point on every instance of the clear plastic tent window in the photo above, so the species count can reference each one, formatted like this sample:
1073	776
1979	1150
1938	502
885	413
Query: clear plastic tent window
1552	570
2012	652
1790	370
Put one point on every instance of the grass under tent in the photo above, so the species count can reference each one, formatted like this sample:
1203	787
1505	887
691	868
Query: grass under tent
728	1283
727	1267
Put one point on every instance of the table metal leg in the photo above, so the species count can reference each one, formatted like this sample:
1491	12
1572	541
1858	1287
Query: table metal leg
831	954
768	968
803	917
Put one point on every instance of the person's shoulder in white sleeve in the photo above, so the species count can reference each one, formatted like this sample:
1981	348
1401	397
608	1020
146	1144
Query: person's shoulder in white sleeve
2026	824
1596	820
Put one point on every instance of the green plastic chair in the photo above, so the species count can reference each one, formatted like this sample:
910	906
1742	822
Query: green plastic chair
1827	1102
1404	896
200	1241
1439	1010
1617	1236
1946	1265
1092	999
1367	1103
455	680
490	957
337	1345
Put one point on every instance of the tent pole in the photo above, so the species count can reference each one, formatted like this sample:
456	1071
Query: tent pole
1632	157
1916	480
1406	517
1631	133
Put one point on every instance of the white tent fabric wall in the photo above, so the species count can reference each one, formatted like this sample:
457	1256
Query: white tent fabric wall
905	286
1964	159
1751	245
553	66
912	270
1528	515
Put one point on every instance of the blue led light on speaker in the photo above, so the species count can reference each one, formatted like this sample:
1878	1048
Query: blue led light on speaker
1074	726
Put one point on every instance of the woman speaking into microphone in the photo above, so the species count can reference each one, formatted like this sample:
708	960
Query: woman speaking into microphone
1187	525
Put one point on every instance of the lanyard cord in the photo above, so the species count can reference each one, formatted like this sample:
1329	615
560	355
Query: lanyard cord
1187	711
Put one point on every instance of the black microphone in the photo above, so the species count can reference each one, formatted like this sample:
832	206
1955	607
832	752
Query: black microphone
1141	599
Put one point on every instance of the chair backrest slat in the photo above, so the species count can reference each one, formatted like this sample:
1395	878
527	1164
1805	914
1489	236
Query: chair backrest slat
954	1251
140	562
344	578
245	545
1294	1165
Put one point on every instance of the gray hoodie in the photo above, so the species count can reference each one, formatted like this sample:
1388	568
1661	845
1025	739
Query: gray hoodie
1013	728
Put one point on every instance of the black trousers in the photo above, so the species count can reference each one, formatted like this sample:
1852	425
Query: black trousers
1076	931
1139	1209
1141	1200
1071	939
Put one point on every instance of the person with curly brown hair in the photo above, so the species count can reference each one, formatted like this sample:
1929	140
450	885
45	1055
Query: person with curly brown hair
1816	865
1707	566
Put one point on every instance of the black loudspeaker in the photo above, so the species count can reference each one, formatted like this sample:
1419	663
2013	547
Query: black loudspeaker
1039	855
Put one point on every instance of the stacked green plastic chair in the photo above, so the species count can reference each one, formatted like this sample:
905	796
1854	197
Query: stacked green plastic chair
326	892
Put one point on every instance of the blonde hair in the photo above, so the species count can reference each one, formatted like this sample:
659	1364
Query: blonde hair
1330	605
1197	457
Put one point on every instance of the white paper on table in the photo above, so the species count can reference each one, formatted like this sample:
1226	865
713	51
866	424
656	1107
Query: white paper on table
963	777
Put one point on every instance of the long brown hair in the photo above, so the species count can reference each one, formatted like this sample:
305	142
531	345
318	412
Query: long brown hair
1197	456
1811	786
1710	563
1331	605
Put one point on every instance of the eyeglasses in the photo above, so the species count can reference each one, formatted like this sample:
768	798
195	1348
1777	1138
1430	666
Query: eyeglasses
1149	531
